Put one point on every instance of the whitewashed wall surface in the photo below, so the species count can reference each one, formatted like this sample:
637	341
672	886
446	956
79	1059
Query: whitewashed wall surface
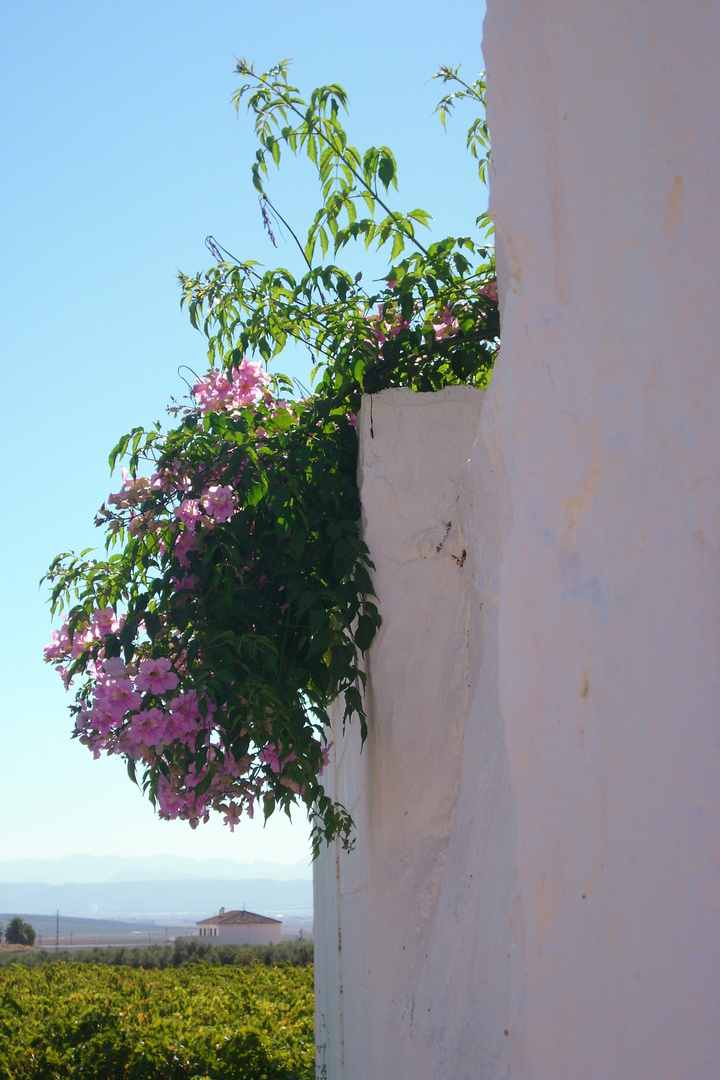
535	892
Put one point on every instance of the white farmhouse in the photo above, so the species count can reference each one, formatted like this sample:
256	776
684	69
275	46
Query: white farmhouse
240	928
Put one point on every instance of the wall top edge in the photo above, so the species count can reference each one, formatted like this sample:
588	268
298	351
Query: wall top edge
403	395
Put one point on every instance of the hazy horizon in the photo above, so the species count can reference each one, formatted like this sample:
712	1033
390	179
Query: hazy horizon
89	868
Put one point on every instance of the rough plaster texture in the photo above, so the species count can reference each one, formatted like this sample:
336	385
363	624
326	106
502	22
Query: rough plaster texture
393	952
606	200
538	801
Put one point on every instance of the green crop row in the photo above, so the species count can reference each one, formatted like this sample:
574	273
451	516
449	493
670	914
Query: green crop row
92	1022
183	951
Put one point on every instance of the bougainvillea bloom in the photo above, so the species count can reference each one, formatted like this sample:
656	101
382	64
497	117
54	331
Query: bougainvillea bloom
188	511
270	756
117	696
244	386
155	676
447	328
147	727
220	503
169	801
232	816
184	544
104	621
59	645
114	668
490	290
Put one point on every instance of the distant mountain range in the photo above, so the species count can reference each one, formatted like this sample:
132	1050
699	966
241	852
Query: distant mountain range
93	869
161	900
166	887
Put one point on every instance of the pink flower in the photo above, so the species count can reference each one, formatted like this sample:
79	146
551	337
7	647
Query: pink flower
171	804
490	290
113	668
220	503
159	482
147	727
270	756
133	490
231	767
174	728
184	544
59	645
117	696
242	386
232	815
398	328
194	777
189	511
188	582
80	642
325	756
185	705
186	717
248	381
102	718
448	327
156	676
142	523
104	621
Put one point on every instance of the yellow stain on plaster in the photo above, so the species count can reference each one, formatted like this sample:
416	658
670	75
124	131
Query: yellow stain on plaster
575	508
674	209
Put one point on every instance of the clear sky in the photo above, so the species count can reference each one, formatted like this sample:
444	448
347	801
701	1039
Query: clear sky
120	153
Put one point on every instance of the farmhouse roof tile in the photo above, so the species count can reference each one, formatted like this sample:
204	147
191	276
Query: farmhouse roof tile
236	918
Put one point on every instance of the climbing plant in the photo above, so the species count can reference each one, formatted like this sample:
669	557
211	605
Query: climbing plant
235	601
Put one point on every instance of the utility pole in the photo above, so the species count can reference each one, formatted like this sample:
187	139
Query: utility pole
57	929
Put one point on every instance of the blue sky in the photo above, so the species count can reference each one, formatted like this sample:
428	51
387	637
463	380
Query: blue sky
121	152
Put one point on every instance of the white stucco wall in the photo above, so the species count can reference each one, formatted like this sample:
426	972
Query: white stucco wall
606	198
412	936
536	889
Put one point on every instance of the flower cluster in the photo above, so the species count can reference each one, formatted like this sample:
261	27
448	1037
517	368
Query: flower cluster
142	711
148	706
386	323
242	385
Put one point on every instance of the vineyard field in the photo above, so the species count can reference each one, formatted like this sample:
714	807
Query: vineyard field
199	1022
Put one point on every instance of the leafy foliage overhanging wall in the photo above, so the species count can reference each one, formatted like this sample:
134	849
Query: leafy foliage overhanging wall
235	600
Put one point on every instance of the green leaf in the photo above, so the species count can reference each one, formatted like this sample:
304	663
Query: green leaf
364	633
398	245
297	543
152	624
387	167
